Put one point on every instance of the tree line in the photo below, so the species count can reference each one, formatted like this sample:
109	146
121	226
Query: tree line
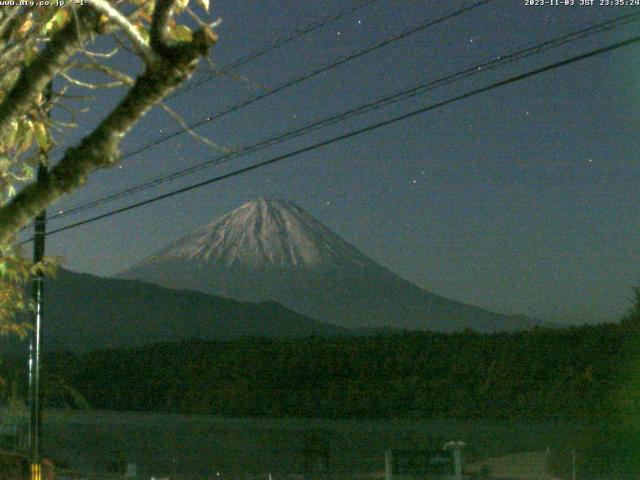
586	371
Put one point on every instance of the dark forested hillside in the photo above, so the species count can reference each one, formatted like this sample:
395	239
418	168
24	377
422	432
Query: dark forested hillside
86	312
584	371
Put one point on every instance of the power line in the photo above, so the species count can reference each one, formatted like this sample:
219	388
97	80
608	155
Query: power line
421	88
311	74
353	133
279	42
311	27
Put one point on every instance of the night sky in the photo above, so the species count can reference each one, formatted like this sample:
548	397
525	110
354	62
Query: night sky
520	200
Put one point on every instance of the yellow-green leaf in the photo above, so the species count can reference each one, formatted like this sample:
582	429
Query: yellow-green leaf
183	33
27	172
42	135
30	53
25	135
57	21
25	27
181	5
61	17
143	31
9	137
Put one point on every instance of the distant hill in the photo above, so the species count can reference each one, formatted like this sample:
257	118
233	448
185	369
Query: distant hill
273	250
86	312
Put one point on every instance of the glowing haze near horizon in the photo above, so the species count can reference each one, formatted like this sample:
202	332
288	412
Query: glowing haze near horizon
521	200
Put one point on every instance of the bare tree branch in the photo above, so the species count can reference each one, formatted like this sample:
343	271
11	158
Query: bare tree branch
161	16
8	22
201	138
139	43
100	148
89	85
34	78
106	70
100	54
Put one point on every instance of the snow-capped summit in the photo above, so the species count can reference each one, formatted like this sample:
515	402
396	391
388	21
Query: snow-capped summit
265	233
272	250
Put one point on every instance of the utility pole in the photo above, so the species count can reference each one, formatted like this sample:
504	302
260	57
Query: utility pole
35	404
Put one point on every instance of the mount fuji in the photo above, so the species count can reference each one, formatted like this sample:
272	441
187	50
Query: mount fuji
272	250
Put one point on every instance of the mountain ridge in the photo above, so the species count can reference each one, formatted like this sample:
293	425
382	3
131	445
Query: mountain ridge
271	249
85	312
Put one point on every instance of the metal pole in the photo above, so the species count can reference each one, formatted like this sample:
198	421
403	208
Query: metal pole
388	465
35	404
457	463
35	407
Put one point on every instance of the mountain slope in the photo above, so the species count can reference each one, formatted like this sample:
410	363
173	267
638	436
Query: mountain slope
265	234
85	312
273	250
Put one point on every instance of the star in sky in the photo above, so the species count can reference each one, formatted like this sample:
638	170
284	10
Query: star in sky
487	118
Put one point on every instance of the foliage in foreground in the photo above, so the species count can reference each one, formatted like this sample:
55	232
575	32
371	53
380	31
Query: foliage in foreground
46	66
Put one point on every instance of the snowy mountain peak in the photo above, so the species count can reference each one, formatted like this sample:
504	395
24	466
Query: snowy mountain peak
272	250
264	233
